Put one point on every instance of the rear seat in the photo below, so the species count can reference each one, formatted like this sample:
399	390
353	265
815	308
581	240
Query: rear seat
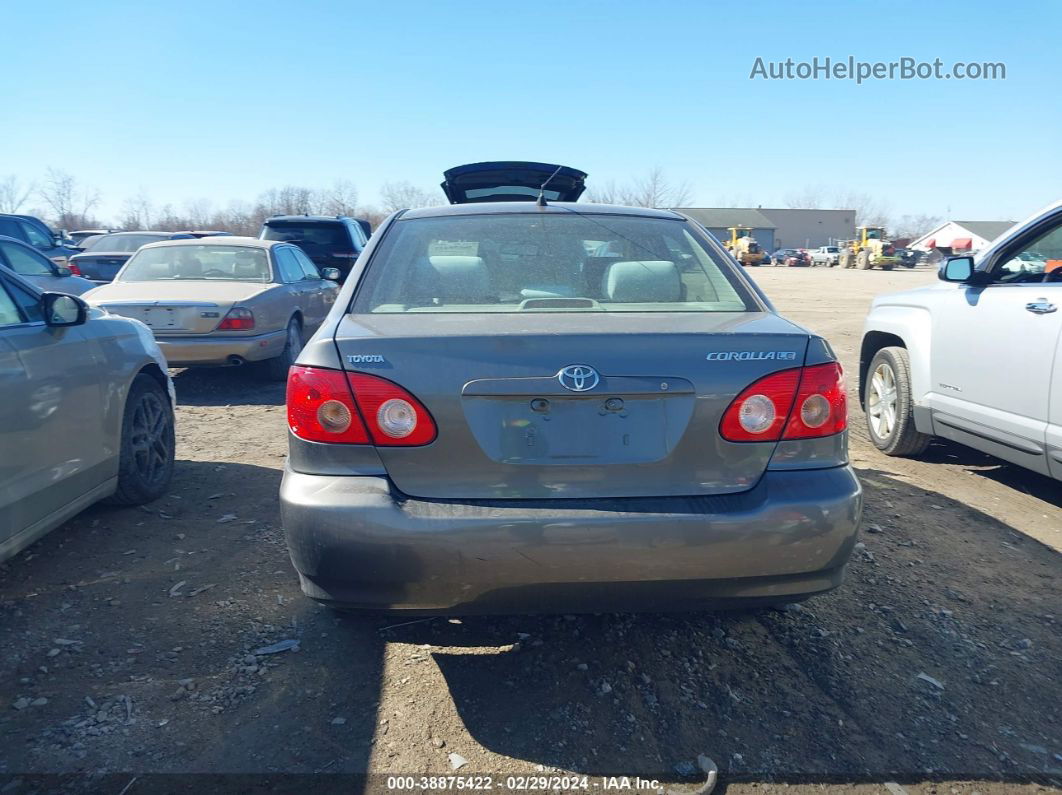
642	282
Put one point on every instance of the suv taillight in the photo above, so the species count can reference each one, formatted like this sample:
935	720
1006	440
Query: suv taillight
354	408
237	319
802	403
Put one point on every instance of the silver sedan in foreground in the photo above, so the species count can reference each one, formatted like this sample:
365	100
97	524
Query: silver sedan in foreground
86	412
223	301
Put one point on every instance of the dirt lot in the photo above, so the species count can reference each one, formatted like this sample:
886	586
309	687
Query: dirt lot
129	638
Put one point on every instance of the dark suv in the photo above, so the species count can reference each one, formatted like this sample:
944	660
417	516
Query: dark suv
36	233
333	241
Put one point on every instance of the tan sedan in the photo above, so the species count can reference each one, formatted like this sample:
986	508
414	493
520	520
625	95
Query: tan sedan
224	300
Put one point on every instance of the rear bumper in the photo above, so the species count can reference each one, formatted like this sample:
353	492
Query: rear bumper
218	349
355	543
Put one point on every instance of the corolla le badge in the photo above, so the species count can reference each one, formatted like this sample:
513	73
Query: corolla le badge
744	356
578	378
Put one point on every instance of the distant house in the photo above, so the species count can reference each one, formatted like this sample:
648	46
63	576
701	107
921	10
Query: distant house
776	228
956	237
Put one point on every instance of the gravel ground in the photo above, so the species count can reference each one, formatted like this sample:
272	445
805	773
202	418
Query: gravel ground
173	638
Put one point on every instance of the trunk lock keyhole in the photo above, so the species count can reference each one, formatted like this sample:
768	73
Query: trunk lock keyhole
614	404
541	405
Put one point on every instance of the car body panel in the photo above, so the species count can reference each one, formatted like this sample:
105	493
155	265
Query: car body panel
788	537
577	449
512	180
329	241
101	259
473	521
984	369
34	267
64	395
184	314
34	232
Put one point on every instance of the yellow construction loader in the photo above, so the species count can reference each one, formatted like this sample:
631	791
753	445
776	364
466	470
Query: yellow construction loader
744	246
873	250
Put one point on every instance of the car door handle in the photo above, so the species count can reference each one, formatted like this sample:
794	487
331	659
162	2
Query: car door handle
1041	306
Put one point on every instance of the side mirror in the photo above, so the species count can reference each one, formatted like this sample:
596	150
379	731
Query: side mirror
332	274
62	270
60	310
957	269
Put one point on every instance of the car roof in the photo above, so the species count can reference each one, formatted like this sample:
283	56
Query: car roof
138	232
316	218
509	208
220	240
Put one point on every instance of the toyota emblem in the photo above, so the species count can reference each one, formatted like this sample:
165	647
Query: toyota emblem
578	378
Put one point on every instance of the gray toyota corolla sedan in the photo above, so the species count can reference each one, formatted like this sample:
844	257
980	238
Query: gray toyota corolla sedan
496	417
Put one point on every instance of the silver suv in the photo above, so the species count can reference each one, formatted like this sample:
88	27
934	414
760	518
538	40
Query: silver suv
976	358
86	412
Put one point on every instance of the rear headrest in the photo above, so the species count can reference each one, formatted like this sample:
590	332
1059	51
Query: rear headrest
457	279
642	282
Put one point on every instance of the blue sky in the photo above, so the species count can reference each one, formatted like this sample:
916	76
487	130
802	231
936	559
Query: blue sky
223	100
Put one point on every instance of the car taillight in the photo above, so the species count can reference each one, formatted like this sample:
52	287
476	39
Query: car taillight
237	319
321	407
354	408
74	269
801	403
821	405
393	416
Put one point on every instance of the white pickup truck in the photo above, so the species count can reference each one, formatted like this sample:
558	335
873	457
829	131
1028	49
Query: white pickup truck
977	357
825	255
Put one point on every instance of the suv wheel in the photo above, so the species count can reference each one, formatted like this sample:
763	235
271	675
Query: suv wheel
889	407
145	463
277	367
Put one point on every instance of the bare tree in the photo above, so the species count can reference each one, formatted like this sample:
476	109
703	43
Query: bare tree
655	189
402	195
810	197
340	199
12	194
605	193
914	226
137	212
869	211
69	203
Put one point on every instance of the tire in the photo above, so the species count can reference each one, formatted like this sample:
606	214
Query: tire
892	430
276	369
145	460
863	260
886	267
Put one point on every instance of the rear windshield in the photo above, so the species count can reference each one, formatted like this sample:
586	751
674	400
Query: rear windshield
547	262
121	243
201	263
316	238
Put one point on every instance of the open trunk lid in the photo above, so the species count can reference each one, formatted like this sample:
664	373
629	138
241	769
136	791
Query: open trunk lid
508	181
578	405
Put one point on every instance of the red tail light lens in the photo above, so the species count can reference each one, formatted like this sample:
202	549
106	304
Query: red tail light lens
802	403
354	408
759	413
321	407
237	319
821	407
394	417
74	269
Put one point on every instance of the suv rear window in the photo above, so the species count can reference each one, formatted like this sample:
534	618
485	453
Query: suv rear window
318	237
547	262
